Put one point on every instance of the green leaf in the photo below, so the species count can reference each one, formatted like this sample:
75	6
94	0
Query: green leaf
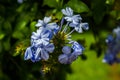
59	15
115	14
78	6
110	2
98	10
2	35
21	8
118	15
21	25
6	44
7	26
1	46
32	26
50	3
18	35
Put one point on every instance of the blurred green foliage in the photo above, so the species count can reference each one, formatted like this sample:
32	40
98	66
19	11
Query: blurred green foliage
17	22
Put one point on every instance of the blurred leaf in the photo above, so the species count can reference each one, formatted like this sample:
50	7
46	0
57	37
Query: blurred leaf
78	6
113	13
7	26
59	15
118	15
18	35
20	8
21	25
2	35
99	10
32	26
1	46
6	44
117	5
110	2
50	3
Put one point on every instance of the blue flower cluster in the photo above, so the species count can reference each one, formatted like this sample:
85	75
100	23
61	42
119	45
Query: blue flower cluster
51	39
113	52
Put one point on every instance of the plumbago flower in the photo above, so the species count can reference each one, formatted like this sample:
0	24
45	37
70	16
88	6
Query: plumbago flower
113	52
74	20
52	43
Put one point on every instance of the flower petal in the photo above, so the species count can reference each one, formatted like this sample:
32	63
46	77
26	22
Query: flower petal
52	26
64	12
28	53
77	48
44	54
47	19
37	53
70	11
39	24
66	50
50	48
79	29
84	26
72	57
63	58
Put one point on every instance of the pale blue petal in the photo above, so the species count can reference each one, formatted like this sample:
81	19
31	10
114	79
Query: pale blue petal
72	25
45	35
52	25
68	18
66	50
37	53
37	35
39	24
78	49
45	41
78	17
79	29
84	26
72	57
64	11
47	19
50	48
70	11
63	58
44	54
28	53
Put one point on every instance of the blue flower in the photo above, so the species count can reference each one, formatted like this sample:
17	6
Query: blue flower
38	53
43	51
77	48
113	47
64	58
68	57
80	26
74	20
68	12
30	54
109	58
109	39
40	37
45	23
49	34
